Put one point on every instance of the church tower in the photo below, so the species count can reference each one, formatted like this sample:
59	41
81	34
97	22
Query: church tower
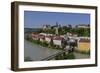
56	31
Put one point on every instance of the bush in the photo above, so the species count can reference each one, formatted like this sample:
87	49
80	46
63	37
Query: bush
70	56
45	44
27	59
83	52
65	56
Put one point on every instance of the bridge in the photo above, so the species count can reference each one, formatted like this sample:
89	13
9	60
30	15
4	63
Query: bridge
61	54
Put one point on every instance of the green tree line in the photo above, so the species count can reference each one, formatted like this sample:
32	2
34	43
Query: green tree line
64	30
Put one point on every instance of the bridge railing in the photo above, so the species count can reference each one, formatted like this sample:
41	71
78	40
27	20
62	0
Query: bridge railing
57	55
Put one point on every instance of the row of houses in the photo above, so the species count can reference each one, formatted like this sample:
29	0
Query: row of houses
83	43
48	38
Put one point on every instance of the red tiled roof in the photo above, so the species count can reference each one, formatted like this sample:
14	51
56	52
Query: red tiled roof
84	40
41	36
49	36
58	38
35	35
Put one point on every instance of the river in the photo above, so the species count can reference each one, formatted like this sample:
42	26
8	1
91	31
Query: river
36	52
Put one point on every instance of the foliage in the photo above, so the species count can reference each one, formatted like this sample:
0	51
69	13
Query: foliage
65	56
70	56
63	30
83	52
45	44
49	31
27	59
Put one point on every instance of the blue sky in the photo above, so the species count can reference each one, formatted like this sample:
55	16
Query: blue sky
36	19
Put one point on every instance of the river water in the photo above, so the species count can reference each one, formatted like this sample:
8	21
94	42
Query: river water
36	52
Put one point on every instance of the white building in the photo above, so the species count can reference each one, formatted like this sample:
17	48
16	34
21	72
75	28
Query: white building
83	26
46	27
57	40
43	34
48	39
41	38
35	36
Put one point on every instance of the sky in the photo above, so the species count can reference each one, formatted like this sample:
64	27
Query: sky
36	19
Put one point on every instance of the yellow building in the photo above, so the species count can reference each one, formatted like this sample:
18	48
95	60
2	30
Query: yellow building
84	45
